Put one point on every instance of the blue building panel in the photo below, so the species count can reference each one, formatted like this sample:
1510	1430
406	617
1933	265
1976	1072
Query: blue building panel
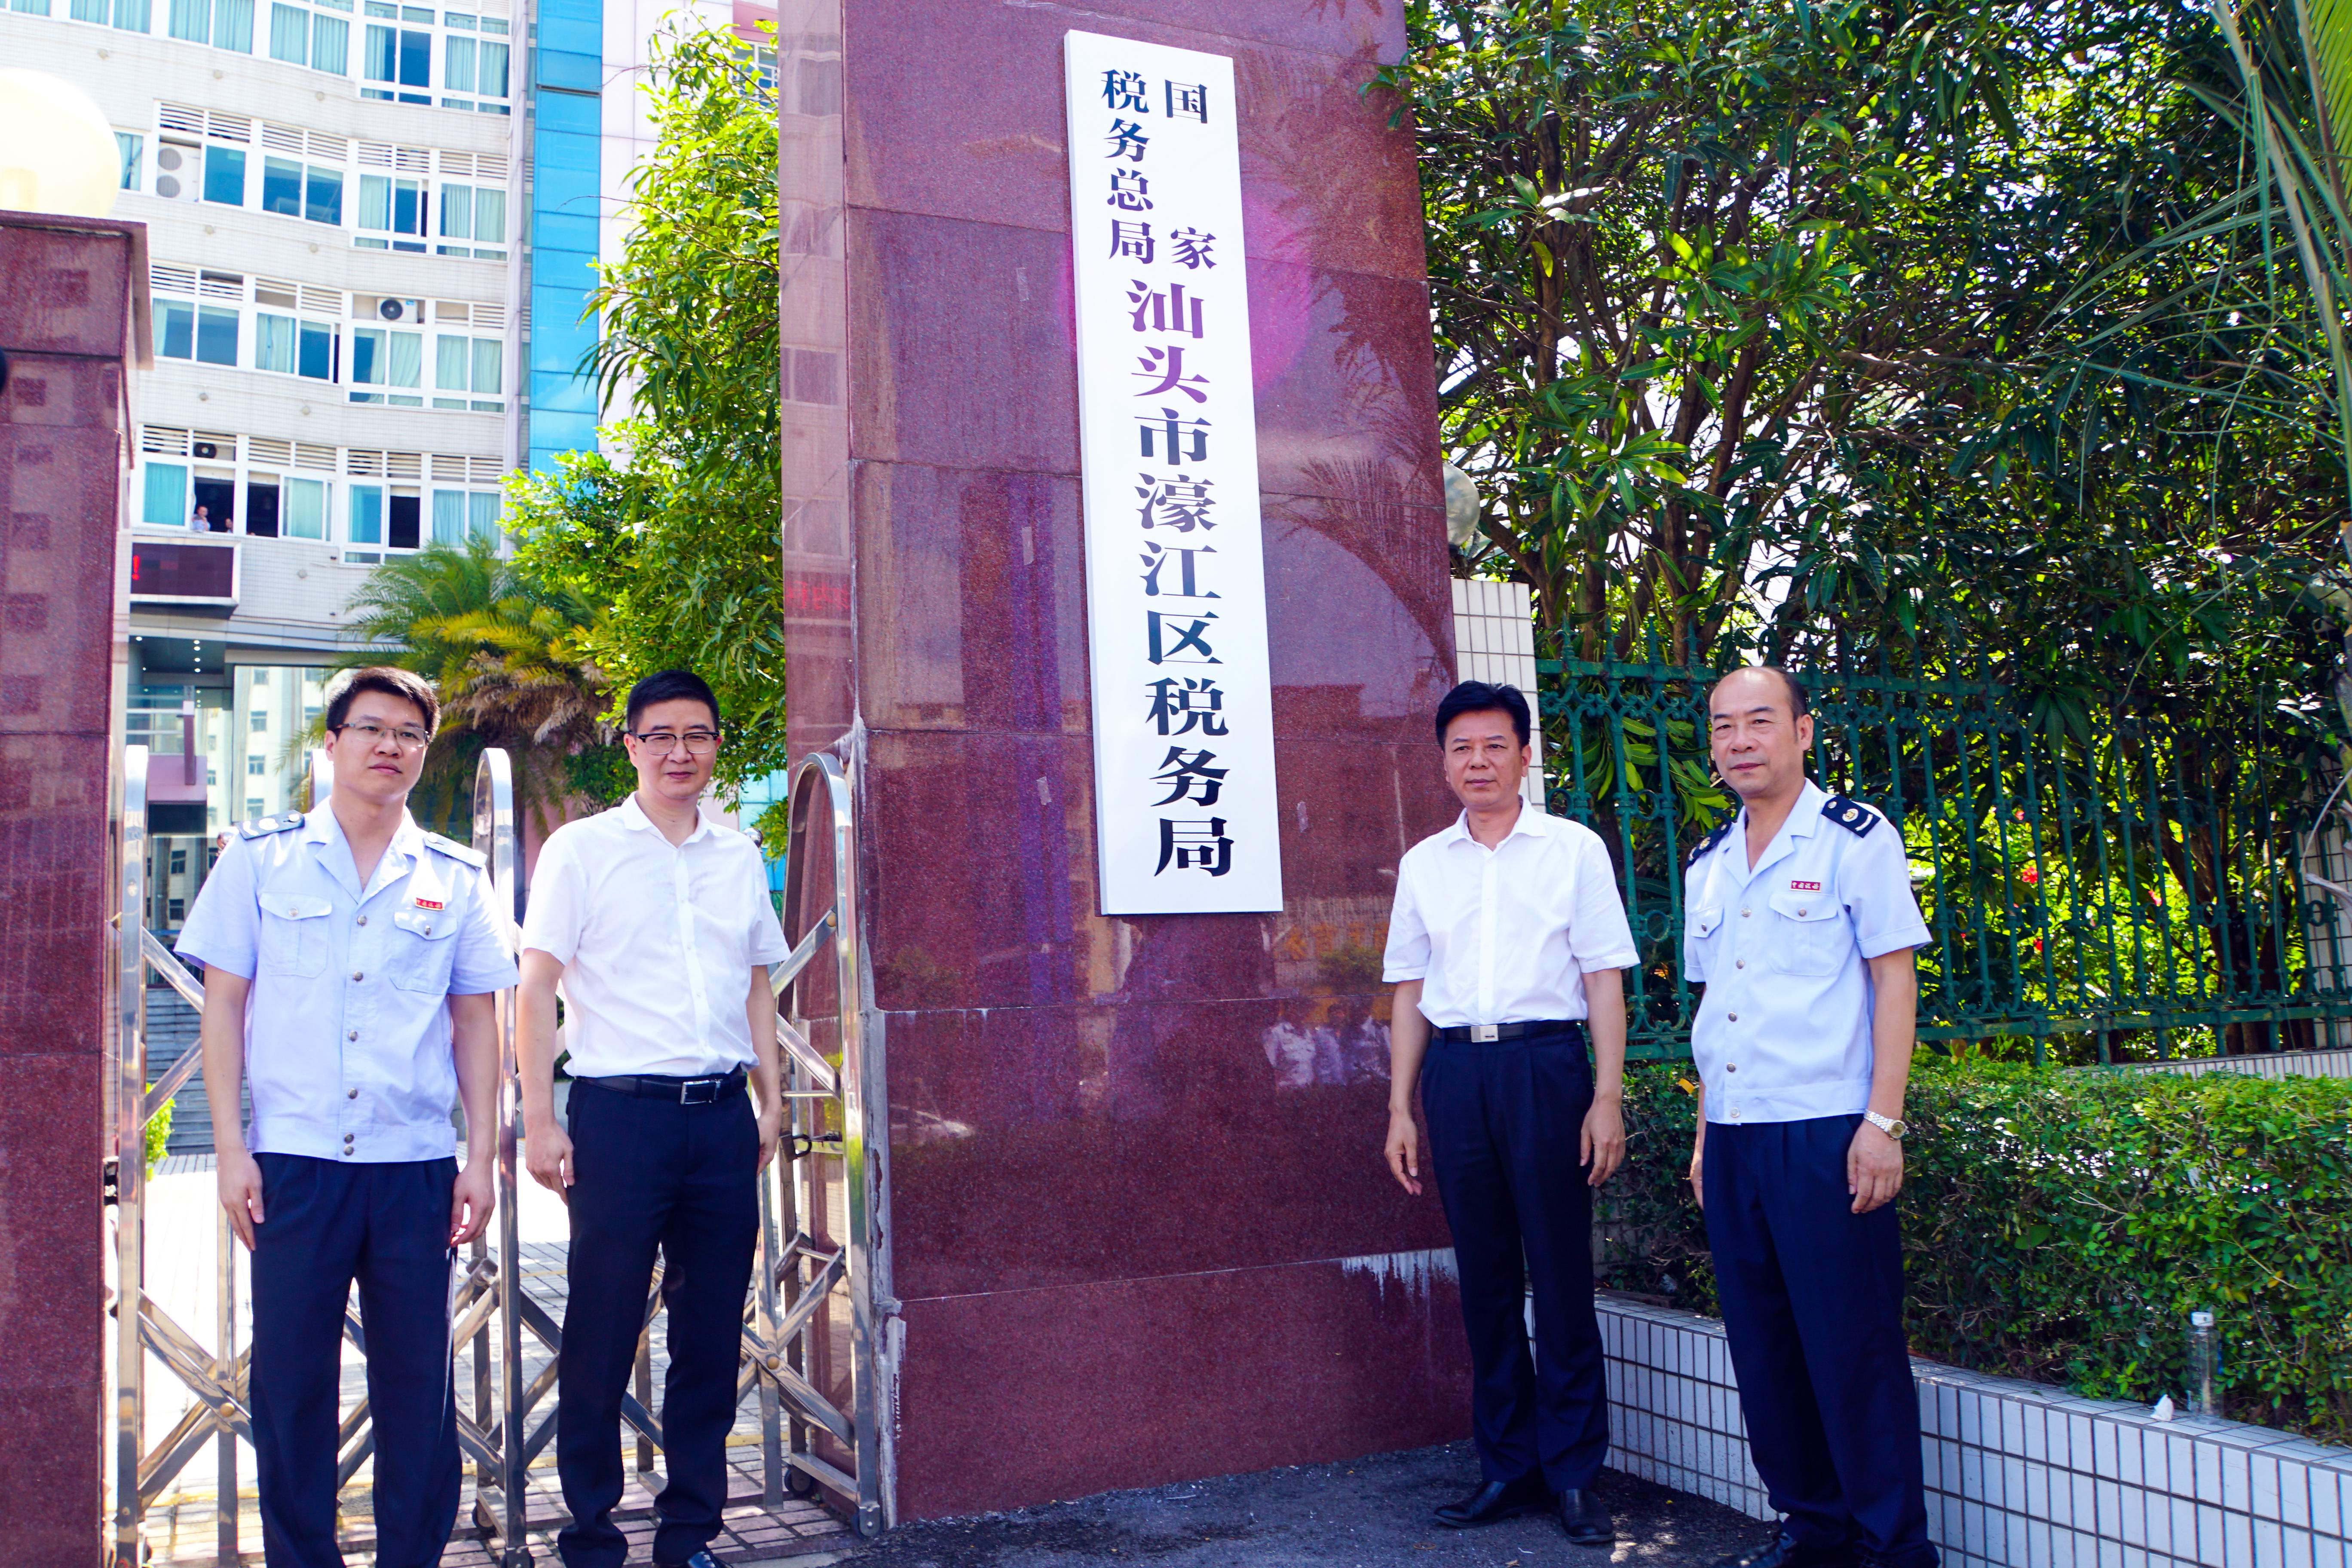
570	69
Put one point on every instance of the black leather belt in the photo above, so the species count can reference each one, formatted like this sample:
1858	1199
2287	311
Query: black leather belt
708	1091
1485	1034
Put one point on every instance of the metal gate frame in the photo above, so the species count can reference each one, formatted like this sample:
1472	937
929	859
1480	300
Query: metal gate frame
831	1110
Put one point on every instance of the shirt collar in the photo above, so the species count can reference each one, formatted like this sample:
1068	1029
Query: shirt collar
1531	822
1804	818
633	815
321	825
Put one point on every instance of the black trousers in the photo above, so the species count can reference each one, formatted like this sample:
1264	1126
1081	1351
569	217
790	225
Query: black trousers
327	1224
1812	1306
653	1173
1505	1121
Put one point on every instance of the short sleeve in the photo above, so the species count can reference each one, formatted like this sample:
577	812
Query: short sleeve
224	931
765	940
483	961
1874	881
557	910
1598	934
1407	957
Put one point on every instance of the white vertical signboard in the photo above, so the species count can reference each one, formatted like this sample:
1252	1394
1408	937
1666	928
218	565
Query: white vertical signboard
1184	701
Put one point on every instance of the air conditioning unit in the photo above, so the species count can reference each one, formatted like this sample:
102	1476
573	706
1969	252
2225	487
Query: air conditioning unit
207	449
398	310
179	171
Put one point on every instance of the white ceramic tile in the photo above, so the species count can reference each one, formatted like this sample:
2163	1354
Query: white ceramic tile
2208	1536
2266	1500
2294	1493
2238	1541
2237	1486
2295	1548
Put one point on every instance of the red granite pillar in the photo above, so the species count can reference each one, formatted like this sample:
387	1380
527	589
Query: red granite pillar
1140	1228
70	318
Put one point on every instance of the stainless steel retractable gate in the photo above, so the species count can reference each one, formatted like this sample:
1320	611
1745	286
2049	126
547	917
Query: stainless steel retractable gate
810	1300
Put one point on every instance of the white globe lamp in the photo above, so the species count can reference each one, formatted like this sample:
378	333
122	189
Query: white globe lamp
58	152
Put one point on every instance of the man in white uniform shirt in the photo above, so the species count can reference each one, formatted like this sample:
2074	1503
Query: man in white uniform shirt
655	922
1799	919
349	962
1506	944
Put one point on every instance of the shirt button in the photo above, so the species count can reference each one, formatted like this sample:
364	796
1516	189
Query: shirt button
1743	914
357	975
1728	1067
352	1035
1735	1017
351	1094
364	920
1801	915
1739	964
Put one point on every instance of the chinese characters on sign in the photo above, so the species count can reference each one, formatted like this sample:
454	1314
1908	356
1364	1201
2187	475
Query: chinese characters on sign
1183	705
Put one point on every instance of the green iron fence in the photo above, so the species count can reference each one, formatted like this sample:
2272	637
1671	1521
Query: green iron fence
2135	890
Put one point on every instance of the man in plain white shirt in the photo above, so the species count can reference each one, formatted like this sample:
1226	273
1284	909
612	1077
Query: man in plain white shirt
1507	945
655	922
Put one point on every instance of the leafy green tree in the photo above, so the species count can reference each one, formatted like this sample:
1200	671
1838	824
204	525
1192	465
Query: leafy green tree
672	531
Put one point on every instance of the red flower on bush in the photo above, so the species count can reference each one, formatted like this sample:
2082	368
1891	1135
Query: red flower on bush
2030	876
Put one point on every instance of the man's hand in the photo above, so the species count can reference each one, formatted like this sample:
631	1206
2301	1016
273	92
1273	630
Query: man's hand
1698	1174
471	1202
1603	1142
771	1127
1873	1169
240	1193
547	1153
1404	1151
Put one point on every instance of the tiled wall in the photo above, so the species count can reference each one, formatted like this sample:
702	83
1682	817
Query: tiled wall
1495	640
2019	1475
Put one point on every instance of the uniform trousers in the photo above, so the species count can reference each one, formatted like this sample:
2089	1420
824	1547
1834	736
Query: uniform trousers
327	1224
1505	1121
653	1174
1813	1307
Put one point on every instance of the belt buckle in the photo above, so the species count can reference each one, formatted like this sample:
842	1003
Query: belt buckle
685	1094
1485	1034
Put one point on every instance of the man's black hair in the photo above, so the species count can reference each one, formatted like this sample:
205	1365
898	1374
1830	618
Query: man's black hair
1478	696
670	686
1800	702
386	680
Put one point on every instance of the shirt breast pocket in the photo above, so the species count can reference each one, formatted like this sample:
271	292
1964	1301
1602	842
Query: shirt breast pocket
293	934
422	951
1705	926
1809	933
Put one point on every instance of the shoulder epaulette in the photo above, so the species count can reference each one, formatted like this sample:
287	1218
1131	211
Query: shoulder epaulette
1851	815
263	827
1711	840
457	851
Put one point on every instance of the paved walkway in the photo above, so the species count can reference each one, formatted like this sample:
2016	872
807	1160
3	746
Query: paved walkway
1369	1514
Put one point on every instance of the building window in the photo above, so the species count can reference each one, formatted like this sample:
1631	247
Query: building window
252	806
468	364
399	57
476	66
306	508
475	212
30	7
131	15
260	720
224	175
389	362
301	37
366	525
206	333
254	765
460	514
391	213
303	191
165	500
292	346
131	148
224	24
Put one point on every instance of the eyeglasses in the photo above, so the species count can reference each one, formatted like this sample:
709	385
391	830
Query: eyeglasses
699	742
410	737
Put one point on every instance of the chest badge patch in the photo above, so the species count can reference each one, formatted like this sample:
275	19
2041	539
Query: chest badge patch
425	903
1797	887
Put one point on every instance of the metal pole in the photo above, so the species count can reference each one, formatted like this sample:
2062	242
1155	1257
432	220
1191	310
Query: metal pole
226	1510
130	1149
494	835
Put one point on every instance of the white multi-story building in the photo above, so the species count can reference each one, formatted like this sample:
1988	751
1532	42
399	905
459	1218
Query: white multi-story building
355	208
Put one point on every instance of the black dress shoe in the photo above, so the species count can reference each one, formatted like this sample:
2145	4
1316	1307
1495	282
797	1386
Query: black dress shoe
701	1559
1783	1551
1586	1519
1494	1500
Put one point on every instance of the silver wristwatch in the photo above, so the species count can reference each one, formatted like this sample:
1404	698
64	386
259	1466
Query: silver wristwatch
1893	1126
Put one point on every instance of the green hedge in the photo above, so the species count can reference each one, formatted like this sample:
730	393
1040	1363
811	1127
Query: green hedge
2061	1226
